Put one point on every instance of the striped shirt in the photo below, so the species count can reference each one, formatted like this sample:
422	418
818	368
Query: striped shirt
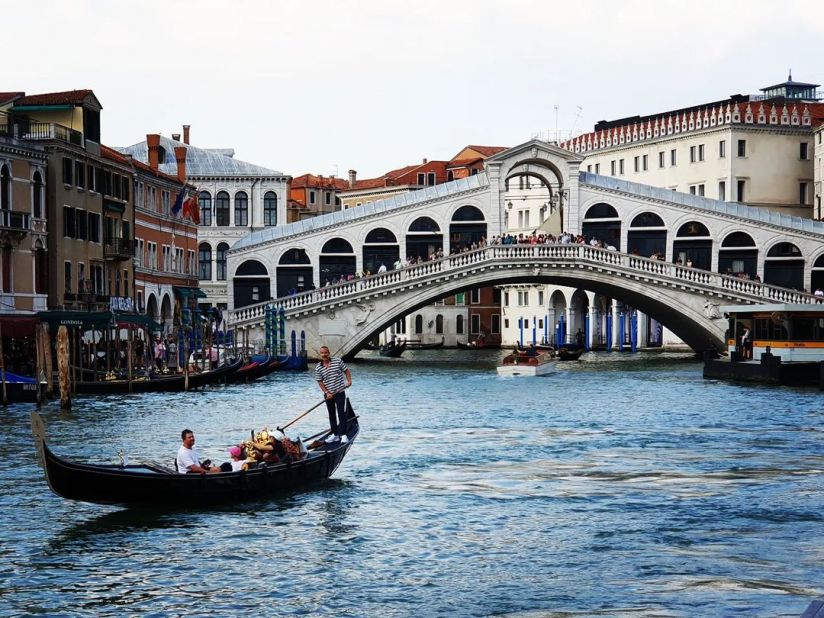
332	376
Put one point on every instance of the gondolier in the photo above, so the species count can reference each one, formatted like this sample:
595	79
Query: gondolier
334	377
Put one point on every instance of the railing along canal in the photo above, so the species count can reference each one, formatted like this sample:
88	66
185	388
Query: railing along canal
580	254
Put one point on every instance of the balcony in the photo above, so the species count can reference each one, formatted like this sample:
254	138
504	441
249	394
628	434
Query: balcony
118	249
17	223
41	131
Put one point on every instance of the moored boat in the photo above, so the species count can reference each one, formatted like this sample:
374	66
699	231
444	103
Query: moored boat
153	484
527	363
393	349
20	389
158	384
569	354
419	345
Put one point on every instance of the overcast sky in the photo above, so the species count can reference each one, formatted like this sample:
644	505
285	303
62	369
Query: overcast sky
328	86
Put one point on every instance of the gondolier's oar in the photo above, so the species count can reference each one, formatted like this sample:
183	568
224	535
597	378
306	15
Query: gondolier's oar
297	418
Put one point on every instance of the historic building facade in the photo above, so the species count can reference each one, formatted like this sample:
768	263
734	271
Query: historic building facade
234	199
23	223
310	196
89	208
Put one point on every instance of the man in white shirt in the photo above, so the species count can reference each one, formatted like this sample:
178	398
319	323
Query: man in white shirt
187	457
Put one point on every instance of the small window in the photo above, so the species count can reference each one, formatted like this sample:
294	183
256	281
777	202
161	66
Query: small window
803	151
421	178
612	168
692	154
621	167
701	190
496	324
722	190
475	296
742	148
700	152
722	149
740	196
637	164
644	163
673	157
68	168
597	168
311	197
69	230
430	179
80	174
661	157
802	192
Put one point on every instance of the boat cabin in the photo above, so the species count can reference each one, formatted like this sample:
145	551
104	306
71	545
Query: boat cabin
793	332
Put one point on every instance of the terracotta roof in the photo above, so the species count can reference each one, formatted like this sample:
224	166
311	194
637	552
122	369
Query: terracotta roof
5	97
488	151
319	182
294	204
112	154
464	162
70	97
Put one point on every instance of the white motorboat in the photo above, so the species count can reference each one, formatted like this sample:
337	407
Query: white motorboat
528	363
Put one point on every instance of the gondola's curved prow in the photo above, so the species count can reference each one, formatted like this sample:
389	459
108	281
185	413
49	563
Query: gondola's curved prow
151	484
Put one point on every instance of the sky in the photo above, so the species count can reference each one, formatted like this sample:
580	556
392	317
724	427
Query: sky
327	86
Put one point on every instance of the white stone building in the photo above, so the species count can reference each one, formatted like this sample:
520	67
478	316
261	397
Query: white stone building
235	198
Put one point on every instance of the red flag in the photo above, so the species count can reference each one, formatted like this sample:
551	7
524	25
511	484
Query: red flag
191	209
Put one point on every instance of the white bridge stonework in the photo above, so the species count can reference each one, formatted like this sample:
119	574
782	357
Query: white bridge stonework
684	299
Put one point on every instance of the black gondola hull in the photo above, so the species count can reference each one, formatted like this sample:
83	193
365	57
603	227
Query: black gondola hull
153	485
161	384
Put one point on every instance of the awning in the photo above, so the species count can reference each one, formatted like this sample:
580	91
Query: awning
185	292
18	326
86	319
135	319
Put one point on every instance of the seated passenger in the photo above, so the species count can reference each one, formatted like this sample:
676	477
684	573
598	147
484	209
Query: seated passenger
238	462
187	458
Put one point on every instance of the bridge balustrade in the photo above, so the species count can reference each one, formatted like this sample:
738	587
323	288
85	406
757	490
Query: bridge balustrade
385	282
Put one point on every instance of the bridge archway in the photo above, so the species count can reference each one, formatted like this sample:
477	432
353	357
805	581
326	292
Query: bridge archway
151	308
601	221
738	255
294	272
693	245
337	261
423	238
380	247
166	313
647	235
784	266
251	284
817	278
468	226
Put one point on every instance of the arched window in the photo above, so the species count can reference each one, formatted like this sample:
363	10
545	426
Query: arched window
424	224
459	325
5	188
222	209
784	250
418	324
647	219
251	268
337	245
241	209
37	196
738	239
468	213
601	211
204	200
380	235
205	262
222	248
439	324
693	228
270	208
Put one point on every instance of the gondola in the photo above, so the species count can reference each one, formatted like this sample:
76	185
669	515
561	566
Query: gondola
478	344
417	345
569	354
256	369
159	384
393	349
152	484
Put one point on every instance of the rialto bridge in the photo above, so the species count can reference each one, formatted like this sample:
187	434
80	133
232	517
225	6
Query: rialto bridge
731	249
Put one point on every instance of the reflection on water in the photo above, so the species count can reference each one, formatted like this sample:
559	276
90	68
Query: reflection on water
622	485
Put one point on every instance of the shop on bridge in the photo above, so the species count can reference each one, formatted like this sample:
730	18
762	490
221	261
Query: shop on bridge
294	273
693	246
602	222
337	261
423	238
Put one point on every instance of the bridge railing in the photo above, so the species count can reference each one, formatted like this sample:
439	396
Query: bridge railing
387	281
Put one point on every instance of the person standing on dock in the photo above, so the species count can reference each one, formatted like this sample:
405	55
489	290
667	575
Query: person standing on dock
746	344
334	378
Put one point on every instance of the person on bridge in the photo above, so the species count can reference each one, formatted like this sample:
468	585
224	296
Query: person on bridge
330	373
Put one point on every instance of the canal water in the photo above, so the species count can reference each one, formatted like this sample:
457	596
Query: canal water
622	485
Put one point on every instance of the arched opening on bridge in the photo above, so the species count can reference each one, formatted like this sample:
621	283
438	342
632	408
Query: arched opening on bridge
251	284
647	235
817	274
337	261
738	255
468	226
424	238
380	247
602	222
294	273
784	266
534	198
693	246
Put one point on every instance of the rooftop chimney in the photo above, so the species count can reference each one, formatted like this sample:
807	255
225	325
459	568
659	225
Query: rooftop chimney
153	143
186	133
180	157
353	176
424	161
176	137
